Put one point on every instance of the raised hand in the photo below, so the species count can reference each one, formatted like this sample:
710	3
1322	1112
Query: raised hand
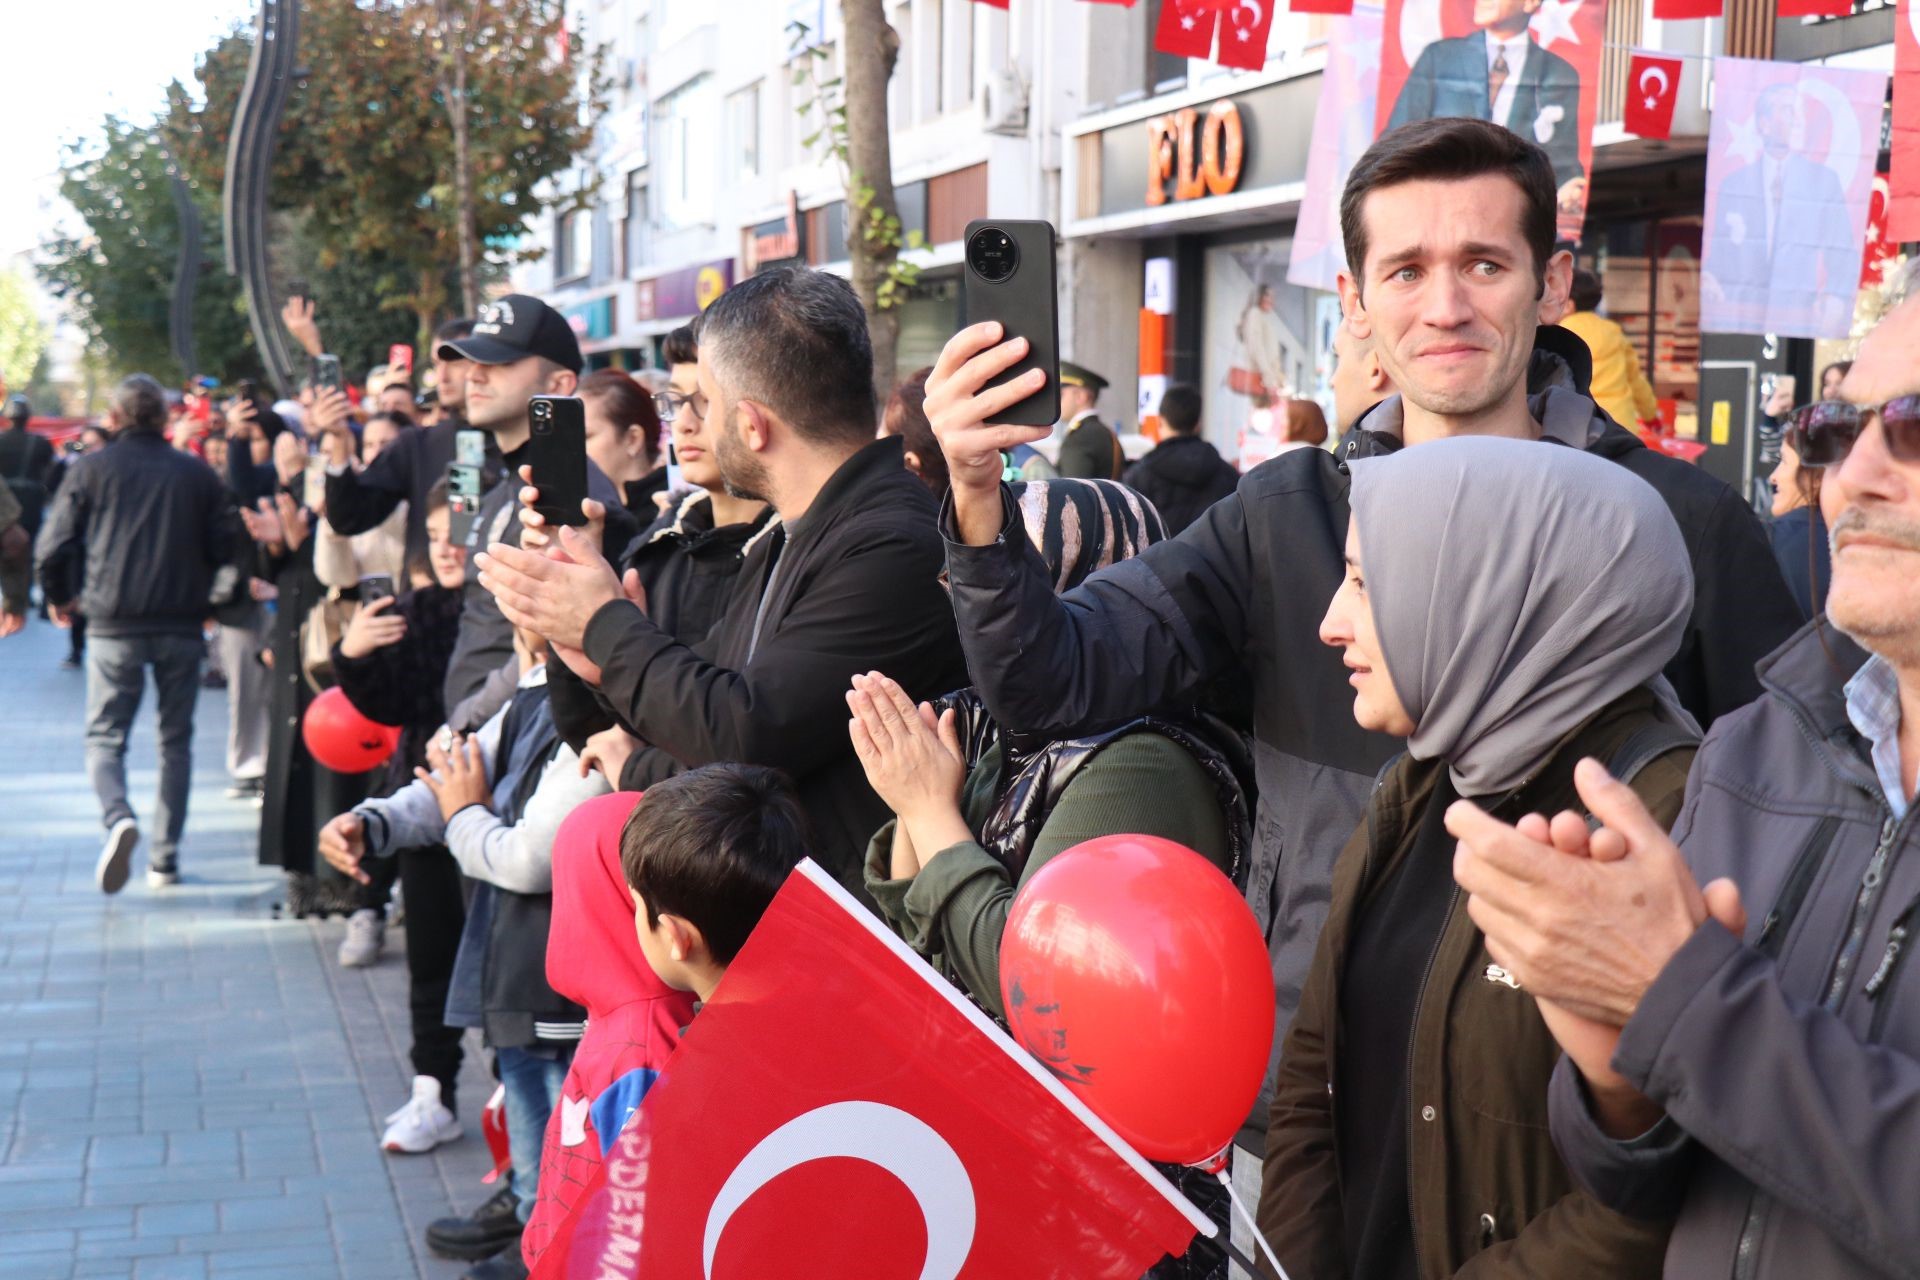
962	407
913	760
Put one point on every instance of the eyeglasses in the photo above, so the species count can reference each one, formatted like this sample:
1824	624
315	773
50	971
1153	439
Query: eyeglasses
668	403
1823	433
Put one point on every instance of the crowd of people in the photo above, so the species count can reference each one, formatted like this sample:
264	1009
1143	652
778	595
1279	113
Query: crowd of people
1564	987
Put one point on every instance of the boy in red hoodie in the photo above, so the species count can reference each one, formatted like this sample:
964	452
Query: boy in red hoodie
653	896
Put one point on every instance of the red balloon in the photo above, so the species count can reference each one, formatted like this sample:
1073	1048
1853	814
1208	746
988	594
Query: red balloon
1134	970
342	739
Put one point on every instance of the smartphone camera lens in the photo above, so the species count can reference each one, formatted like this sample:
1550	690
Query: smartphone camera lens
993	255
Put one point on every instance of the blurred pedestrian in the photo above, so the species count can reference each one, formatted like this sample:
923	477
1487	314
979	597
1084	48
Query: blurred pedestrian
1184	474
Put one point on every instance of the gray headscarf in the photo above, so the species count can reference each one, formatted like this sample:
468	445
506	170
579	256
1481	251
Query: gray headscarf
1518	587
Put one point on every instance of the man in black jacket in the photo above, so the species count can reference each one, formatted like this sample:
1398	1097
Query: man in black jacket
848	583
150	524
26	463
1184	474
1449	226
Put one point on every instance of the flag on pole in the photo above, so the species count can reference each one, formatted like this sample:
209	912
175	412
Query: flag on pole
1790	167
1682	10
1903	194
1186	28
839	1109
1342	131
1244	32
1653	88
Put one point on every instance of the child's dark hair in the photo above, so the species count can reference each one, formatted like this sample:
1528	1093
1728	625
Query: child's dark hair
713	846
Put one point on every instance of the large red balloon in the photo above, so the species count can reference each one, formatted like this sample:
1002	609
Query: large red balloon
1134	970
342	739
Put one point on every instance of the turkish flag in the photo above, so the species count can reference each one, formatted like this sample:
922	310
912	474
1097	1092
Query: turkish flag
837	1109
1653	87
1321	6
1186	28
1243	33
1681	10
1903	179
1815	8
994	4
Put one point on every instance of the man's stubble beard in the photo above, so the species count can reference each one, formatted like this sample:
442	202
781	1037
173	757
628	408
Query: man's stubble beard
741	474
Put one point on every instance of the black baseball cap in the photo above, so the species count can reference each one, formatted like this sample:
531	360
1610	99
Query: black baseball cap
513	328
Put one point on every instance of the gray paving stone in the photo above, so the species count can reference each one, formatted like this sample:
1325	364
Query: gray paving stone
190	1087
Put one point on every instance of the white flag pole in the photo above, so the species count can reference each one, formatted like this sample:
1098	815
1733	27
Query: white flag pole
1226	1180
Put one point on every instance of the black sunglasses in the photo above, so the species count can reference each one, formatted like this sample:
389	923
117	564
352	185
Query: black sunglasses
1823	433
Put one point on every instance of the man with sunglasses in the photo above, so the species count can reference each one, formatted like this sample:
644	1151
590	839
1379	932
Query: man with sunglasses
1758	1068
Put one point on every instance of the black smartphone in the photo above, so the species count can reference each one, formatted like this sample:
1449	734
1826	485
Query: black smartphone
327	375
1009	277
557	453
376	586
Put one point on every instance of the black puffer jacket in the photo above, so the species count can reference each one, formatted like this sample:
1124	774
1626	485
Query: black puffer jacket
1183	476
1243	590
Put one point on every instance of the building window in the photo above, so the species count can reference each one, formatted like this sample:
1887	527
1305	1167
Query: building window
685	172
1165	71
573	245
636	229
743	132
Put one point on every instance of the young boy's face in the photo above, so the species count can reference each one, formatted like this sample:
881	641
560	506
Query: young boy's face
656	944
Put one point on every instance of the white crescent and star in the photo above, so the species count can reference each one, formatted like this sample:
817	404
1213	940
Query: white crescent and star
1555	22
1654	95
902	1144
1245	29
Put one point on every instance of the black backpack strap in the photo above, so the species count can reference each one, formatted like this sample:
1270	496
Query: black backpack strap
1647	744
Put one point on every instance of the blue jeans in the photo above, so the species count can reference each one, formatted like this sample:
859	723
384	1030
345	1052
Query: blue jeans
532	1077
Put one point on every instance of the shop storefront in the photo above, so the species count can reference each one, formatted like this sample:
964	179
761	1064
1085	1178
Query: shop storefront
1178	229
665	302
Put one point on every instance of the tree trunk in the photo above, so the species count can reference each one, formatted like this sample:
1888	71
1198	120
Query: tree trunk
872	48
453	88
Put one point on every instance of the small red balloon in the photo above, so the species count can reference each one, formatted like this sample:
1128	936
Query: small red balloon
342	739
1134	970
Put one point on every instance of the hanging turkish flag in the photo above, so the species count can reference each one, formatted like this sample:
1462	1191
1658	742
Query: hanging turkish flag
1243	33
1681	10
1903	180
838	1109
1881	252
1186	28
1653	87
994	4
1321	6
1815	8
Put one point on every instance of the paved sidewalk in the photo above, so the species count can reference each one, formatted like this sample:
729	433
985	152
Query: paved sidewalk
190	1088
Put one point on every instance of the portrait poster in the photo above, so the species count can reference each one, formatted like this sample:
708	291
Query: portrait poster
1342	129
1790	169
1531	65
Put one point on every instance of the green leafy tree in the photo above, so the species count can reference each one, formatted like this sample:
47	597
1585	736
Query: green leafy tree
367	142
23	338
118	275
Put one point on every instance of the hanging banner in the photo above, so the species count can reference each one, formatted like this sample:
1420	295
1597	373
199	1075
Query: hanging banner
1531	65
1815	8
1790	166
1903	203
1342	129
1186	28
1244	28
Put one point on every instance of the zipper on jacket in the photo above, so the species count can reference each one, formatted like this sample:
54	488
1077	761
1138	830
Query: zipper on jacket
1863	905
1882	980
1793	895
1746	1258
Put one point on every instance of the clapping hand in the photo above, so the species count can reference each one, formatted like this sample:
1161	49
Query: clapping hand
551	597
913	760
457	776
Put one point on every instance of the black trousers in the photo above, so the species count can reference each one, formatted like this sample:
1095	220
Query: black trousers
436	913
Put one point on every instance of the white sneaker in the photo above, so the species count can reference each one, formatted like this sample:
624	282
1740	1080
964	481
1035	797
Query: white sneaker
116	856
423	1124
366	935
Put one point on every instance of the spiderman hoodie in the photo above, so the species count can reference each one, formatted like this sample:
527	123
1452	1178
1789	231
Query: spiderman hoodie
633	1019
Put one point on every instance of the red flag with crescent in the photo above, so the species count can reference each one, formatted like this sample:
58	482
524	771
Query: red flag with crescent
1186	28
1653	87
838	1109
1244	28
1903	178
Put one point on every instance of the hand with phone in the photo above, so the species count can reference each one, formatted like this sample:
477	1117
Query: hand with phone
537	535
557	459
996	384
372	627
297	315
328	419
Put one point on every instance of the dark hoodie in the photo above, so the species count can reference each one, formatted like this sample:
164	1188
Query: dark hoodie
633	1018
1183	476
1242	591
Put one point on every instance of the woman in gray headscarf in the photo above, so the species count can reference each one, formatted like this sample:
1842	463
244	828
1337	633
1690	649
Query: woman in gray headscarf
1508	608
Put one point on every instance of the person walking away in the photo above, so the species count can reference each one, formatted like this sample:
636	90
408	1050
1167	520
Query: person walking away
1736	1001
1089	450
1619	387
27	464
1486	624
143	527
1798	532
1184	474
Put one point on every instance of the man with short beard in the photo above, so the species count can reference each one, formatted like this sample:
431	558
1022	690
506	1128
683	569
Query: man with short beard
1757	1070
1449	231
847	584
